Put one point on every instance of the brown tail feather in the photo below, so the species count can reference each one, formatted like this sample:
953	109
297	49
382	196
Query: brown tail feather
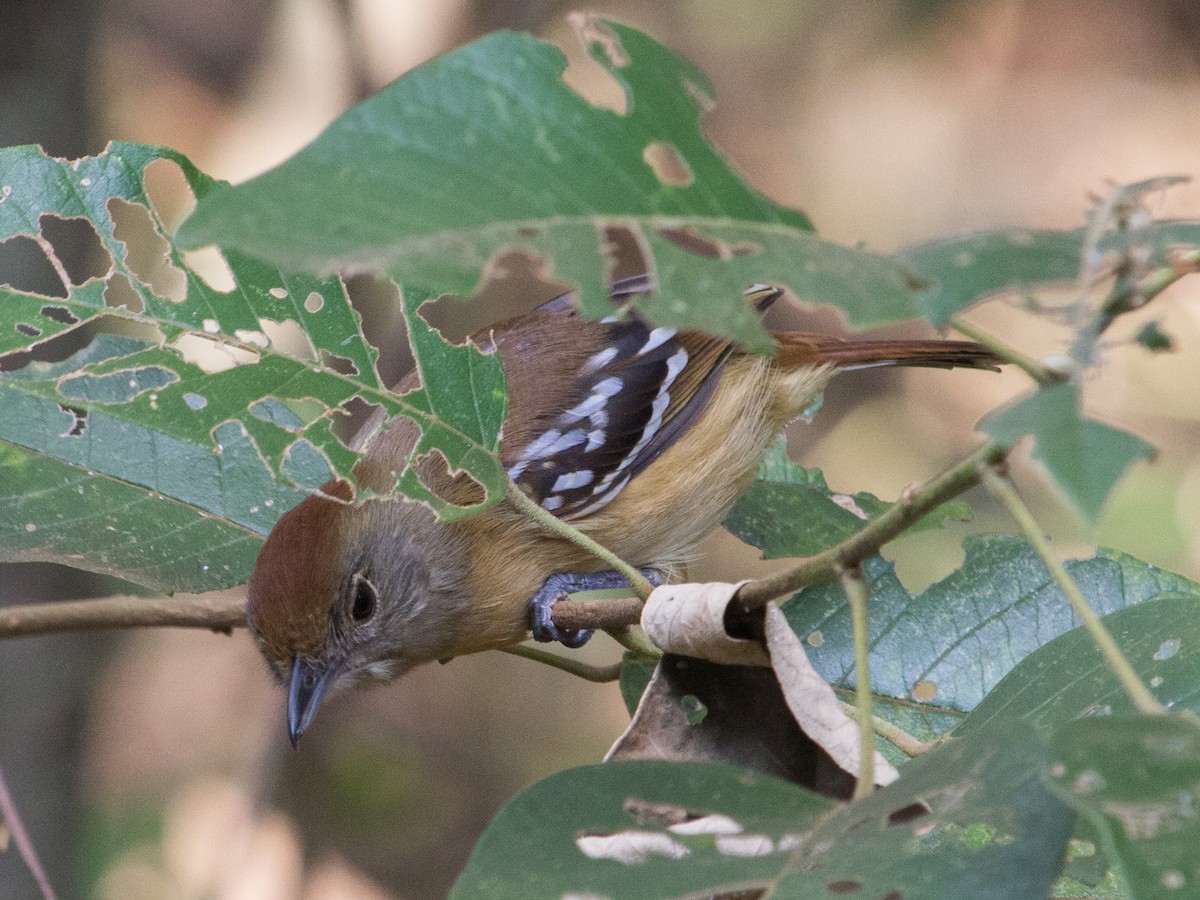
798	348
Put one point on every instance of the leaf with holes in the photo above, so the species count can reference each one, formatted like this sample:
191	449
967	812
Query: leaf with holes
487	151
1068	679
961	270
936	655
1137	780
142	379
969	819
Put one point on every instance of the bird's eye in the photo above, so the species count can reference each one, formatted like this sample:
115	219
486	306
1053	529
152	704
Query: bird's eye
365	600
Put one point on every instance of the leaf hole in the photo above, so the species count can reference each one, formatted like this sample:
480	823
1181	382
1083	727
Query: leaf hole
59	314
78	247
689	238
513	282
668	165
1167	649
211	355
628	254
168	191
358	422
147	252
62	344
119	292
340	364
314	303
25	267
909	813
28	330
645	812
289	338
590	63
210	265
79	419
459	487
378	302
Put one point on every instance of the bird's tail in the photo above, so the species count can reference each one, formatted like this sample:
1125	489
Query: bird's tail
799	348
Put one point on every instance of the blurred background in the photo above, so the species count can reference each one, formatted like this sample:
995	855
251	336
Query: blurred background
157	765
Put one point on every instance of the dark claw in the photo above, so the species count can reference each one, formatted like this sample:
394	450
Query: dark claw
557	587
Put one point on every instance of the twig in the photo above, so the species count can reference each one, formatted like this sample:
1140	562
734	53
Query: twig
894	734
1003	490
633	638
605	615
1027	364
556	525
608	614
850	552
1123	295
599	674
8	810
857	595
216	612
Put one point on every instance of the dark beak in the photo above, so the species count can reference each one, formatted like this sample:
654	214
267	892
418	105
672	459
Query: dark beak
308	686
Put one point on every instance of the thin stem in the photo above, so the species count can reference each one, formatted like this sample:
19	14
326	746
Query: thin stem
852	551
894	734
1003	490
1128	295
633	638
216	612
1028	364
598	674
8	812
552	523
857	595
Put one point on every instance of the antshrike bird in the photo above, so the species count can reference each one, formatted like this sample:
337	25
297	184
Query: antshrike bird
640	437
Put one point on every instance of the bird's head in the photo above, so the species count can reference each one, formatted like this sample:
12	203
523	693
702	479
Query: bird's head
346	592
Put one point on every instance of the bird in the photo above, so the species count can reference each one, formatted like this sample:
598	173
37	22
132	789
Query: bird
640	436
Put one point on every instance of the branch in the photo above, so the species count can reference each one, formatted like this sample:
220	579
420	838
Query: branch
824	566
828	564
216	612
222	612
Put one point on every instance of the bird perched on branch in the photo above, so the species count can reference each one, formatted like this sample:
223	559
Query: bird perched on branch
640	437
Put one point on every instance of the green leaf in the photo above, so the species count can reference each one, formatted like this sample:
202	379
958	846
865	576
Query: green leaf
1068	679
485	150
967	820
960	270
1137	779
1153	338
464	390
51	511
790	510
1085	458
180	395
636	669
936	655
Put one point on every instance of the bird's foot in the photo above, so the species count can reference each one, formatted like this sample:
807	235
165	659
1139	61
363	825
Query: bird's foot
557	587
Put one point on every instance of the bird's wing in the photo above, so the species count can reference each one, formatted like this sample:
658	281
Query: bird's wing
631	399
